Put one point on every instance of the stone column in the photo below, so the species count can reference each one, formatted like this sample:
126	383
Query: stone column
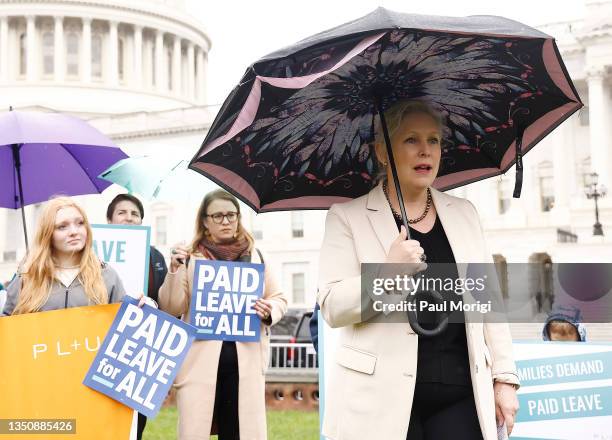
59	63
31	52
138	78
598	125
113	49
86	50
176	66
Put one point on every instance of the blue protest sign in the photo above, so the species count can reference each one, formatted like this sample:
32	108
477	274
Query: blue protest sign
140	357
223	298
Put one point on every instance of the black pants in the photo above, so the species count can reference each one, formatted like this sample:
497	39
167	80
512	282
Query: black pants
226	396
142	422
441	412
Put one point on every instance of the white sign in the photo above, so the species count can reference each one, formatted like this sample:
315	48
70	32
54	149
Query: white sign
566	387
126	249
566	390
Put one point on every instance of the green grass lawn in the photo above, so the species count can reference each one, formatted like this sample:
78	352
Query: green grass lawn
282	425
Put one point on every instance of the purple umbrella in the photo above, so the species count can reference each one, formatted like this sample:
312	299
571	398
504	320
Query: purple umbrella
44	154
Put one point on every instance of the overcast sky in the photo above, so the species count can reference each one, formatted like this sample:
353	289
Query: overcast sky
243	31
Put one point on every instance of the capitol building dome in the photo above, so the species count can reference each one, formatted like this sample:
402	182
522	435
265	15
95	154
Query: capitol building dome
123	55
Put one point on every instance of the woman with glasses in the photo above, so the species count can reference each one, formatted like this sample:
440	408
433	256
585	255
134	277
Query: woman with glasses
221	382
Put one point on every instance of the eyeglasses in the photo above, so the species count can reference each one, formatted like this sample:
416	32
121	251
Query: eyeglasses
218	217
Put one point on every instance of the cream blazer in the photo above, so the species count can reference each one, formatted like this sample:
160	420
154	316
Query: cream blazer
371	385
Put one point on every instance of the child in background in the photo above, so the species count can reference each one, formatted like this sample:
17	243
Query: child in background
563	324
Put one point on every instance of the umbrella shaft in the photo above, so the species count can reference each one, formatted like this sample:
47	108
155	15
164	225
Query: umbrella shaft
398	189
17	163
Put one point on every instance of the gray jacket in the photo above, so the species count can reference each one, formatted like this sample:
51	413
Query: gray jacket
63	297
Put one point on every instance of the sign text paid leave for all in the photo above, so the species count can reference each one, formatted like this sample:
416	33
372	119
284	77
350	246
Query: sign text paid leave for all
140	357
223	298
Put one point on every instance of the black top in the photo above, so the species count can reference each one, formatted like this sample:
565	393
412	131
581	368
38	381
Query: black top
442	358
157	273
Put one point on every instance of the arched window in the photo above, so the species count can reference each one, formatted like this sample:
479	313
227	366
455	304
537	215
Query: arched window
585	170
13	236
23	54
48	45
72	54
583	116
169	64
195	85
256	227
147	60
120	61
504	195
153	66
96	56
184	72
501	266
541	286
547	186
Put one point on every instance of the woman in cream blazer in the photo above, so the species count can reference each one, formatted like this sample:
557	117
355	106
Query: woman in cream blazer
372	385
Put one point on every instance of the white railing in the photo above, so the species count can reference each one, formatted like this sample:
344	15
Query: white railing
293	356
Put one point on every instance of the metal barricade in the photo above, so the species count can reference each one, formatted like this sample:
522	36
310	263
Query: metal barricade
293	356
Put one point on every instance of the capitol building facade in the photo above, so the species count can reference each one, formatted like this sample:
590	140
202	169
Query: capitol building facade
137	70
112	56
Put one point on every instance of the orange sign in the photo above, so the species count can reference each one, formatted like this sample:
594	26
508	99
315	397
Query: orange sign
43	360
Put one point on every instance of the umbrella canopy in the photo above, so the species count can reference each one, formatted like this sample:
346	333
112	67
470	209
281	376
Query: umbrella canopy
59	154
297	132
158	178
45	154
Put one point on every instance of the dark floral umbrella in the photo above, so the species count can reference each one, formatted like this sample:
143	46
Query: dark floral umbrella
297	132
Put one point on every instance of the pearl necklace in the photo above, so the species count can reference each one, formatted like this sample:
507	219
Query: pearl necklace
398	216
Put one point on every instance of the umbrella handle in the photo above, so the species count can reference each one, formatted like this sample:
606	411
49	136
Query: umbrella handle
416	326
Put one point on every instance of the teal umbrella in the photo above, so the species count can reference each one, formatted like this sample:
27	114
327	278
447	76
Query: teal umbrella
160	179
